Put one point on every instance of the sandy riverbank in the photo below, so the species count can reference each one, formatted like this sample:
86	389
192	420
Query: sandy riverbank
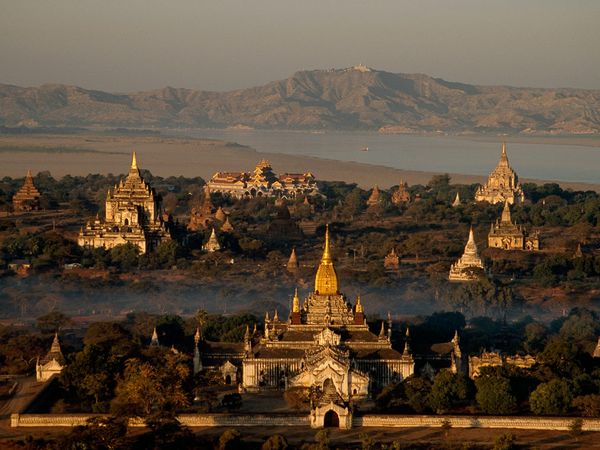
83	154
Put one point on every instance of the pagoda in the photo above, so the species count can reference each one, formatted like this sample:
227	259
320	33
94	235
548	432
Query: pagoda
133	215
507	235
212	245
502	185
292	264
401	195
469	266
391	262
28	197
51	364
375	197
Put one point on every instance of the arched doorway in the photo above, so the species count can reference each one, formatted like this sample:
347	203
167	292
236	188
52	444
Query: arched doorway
228	379
331	419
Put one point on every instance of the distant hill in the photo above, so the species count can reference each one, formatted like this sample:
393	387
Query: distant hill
354	98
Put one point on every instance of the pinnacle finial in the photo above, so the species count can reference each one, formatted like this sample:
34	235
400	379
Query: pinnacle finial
382	331
134	165
359	307
296	302
326	252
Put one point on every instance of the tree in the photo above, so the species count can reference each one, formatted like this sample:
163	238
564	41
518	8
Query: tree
588	405
494	395
448	390
230	440
52	322
275	442
151	388
551	398
417	390
125	256
506	441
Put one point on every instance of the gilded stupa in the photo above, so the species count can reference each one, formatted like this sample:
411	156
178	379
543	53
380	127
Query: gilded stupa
502	185
133	215
326	279
507	235
27	198
469	267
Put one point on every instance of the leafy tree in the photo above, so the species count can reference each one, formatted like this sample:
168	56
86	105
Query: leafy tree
230	440
506	441
551	398
149	388
448	390
52	322
588	405
494	395
275	442
417	390
125	256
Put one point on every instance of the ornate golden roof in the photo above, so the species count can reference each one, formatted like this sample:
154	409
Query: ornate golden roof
326	282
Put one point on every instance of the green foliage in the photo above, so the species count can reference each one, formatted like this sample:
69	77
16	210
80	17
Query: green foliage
275	442
506	441
417	391
53	322
448	391
149	388
588	405
551	398
494	395
98	434
230	440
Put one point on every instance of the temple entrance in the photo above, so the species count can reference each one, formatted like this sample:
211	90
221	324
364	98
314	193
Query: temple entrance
228	379
331	419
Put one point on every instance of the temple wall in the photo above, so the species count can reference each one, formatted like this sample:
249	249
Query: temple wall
386	421
523	423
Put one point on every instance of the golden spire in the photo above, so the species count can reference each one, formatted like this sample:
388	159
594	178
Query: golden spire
296	302
326	280
359	307
134	162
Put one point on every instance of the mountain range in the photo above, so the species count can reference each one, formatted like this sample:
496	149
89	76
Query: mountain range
354	98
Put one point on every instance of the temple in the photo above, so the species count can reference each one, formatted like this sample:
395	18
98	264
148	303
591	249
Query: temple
401	195
27	198
391	262
263	183
502	184
507	235
133	215
51	364
469	267
375	197
325	342
212	245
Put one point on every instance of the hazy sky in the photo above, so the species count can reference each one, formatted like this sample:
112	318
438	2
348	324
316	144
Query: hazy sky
126	45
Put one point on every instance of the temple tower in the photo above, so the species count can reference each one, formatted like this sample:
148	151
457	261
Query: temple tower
502	185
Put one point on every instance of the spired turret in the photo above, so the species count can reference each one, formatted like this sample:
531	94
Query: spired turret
469	267
326	279
502	185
